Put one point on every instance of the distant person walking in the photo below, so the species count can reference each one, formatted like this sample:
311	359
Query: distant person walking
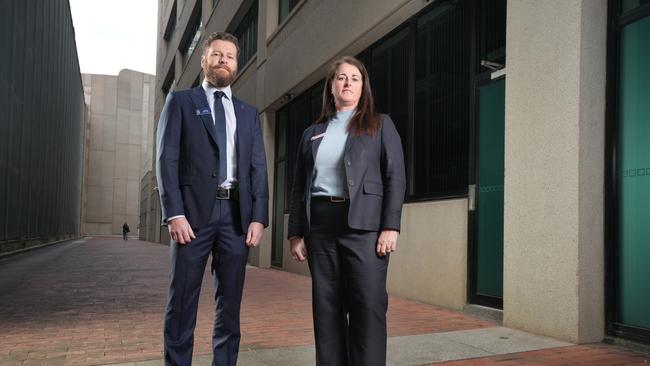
125	231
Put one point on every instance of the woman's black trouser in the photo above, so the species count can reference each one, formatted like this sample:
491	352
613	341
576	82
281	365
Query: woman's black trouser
349	296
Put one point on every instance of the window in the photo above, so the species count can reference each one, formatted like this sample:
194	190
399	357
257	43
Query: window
492	46
168	84
246	33
440	143
292	120
171	24
389	65
195	39
193	35
285	8
627	5
197	81
420	76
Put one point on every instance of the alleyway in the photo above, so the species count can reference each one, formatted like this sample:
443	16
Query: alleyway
101	300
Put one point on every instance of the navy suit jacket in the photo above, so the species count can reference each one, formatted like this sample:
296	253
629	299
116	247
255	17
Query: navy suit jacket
187	161
374	172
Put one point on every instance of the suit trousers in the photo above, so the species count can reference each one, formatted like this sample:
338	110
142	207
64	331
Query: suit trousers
221	237
349	299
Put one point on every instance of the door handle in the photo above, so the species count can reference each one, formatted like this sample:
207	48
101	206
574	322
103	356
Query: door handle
471	195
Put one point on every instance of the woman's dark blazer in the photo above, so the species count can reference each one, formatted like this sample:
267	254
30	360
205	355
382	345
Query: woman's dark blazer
374	169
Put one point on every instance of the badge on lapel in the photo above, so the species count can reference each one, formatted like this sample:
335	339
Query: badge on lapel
203	112
318	136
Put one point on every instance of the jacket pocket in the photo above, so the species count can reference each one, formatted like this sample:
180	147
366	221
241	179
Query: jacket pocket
373	188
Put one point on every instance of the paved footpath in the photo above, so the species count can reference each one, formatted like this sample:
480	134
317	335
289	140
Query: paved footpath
100	301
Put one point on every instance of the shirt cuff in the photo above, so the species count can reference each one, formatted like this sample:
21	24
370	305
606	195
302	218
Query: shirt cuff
175	217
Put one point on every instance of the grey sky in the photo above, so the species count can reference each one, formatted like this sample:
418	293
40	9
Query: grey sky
115	35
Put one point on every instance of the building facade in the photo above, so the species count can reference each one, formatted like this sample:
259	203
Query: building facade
41	127
119	148
525	130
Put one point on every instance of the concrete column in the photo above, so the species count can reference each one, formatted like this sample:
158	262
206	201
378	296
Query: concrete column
554	168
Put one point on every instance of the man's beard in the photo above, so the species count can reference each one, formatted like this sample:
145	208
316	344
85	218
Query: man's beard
220	79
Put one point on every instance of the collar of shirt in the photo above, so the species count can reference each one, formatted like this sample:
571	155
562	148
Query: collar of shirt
209	90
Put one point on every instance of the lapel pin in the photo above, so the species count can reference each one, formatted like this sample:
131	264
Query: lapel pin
317	136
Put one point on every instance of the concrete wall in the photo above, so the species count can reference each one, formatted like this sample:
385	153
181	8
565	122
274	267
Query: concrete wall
554	144
430	264
119	151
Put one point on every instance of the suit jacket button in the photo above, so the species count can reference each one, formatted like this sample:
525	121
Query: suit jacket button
214	175
349	163
351	182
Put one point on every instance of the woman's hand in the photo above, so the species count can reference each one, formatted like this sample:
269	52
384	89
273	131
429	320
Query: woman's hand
387	242
298	248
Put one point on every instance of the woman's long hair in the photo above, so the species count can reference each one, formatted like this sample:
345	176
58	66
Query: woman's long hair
365	119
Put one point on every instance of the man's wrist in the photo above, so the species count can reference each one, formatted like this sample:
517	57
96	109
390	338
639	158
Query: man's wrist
174	218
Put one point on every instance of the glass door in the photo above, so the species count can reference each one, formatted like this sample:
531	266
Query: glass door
486	284
629	310
485	218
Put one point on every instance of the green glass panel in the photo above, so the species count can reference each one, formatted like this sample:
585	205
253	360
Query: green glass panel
284	10
627	5
490	189
634	176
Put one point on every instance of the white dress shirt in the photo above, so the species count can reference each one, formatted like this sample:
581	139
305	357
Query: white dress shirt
231	129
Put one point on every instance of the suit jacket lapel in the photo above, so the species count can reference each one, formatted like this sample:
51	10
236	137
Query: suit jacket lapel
239	116
201	104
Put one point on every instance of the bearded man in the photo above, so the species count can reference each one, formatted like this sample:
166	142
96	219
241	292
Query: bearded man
211	171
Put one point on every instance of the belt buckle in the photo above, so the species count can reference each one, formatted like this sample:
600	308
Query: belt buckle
223	193
337	199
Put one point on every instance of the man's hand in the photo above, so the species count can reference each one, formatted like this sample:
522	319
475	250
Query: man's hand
298	248
254	235
387	242
180	230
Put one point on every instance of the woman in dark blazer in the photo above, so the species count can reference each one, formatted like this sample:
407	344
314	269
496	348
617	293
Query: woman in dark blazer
346	205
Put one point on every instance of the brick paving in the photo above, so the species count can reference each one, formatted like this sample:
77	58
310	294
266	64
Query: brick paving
102	301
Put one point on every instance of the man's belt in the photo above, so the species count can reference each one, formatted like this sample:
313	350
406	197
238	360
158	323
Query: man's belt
333	199
226	193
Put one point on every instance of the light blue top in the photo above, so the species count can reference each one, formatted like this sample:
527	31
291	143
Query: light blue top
329	171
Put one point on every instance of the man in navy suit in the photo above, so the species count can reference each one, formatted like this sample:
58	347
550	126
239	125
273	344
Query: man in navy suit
212	179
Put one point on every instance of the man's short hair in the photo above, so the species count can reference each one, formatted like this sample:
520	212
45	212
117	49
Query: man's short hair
224	36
